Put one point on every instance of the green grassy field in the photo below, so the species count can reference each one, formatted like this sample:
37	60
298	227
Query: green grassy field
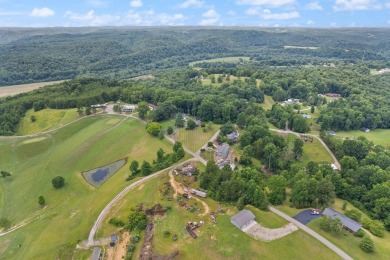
226	60
196	138
377	136
46	119
72	210
300	47
215	241
268	102
207	80
315	152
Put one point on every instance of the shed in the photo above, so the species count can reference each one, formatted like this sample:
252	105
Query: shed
365	129
307	116
96	253
223	150
199	193
347	222
242	218
128	108
331	133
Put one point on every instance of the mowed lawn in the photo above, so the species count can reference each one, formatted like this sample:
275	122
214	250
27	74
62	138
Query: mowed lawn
377	136
215	241
315	152
268	102
196	138
17	89
46	119
72	210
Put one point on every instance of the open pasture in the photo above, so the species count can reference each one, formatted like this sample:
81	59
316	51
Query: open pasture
17	89
71	211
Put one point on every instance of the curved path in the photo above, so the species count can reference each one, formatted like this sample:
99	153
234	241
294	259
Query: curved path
105	211
314	234
335	161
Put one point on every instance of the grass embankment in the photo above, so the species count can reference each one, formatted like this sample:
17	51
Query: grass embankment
215	241
315	151
207	80
268	102
72	210
377	136
46	119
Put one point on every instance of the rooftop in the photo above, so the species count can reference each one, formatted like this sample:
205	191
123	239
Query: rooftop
346	221
243	217
223	150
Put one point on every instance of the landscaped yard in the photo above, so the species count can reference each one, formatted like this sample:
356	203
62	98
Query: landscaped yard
315	152
72	210
46	119
377	136
196	138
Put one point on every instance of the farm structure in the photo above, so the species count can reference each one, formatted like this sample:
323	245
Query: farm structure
128	108
365	129
346	222
242	219
199	193
233	136
99	106
331	133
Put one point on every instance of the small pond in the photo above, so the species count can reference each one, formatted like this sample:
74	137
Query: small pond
98	176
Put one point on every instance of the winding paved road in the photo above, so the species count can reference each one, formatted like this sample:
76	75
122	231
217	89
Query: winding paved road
314	234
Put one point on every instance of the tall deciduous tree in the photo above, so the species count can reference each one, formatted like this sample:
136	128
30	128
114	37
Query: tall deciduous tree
143	109
134	167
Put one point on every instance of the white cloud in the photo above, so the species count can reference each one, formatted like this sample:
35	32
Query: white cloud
190	3
97	3
387	5
314	6
211	17
252	11
231	13
10	13
268	15
270	3
91	19
150	17
81	17
310	22
136	3
42	12
356	5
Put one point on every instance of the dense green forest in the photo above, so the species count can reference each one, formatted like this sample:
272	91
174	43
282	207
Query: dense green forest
31	55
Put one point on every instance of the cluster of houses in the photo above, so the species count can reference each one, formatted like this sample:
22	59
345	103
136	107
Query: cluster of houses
290	101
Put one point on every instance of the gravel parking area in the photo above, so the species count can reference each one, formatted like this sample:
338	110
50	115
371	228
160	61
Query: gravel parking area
259	232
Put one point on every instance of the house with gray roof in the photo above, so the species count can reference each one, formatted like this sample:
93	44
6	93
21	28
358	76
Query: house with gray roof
223	150
347	222
242	219
233	136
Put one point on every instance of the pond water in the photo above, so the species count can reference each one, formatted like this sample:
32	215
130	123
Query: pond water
98	176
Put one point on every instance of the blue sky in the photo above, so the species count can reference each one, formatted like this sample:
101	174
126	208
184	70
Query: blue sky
302	13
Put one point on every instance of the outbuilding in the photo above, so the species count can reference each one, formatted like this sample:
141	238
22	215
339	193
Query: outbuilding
242	219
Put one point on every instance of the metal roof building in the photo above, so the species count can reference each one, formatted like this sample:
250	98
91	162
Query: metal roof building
345	221
242	218
223	150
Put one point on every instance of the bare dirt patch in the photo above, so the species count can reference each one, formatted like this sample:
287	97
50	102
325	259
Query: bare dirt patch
17	89
119	251
259	232
143	77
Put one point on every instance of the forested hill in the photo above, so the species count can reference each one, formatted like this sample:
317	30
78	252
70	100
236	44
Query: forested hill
30	55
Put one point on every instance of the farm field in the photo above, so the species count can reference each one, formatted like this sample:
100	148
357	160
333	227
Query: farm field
72	210
226	60
17	89
377	136
207	80
196	138
216	241
46	119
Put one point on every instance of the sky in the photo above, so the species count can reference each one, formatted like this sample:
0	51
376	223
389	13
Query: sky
266	13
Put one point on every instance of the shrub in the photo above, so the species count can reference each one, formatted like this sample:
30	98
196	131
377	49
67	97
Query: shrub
360	233
58	182
345	205
170	130
135	238
174	237
353	214
366	222
41	200
116	222
166	234
367	245
377	228
5	222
